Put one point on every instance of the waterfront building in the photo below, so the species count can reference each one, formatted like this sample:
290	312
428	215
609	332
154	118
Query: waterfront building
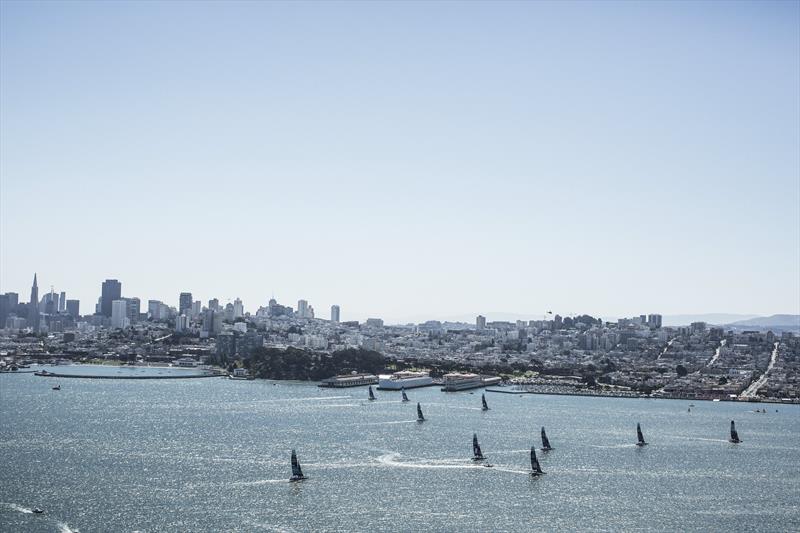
119	314
185	303
480	323
335	314
456	381
72	308
349	380
111	290
404	380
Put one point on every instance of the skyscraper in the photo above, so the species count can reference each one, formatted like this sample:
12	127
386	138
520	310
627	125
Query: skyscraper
335	314
119	314
73	308
111	290
238	308
302	309
33	308
62	302
480	323
5	308
185	303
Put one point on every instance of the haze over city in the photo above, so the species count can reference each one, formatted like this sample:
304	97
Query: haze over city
406	161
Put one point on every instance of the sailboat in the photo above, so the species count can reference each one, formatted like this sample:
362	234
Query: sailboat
640	436
297	473
371	394
536	470
477	455
485	406
420	418
734	435
403	393
545	442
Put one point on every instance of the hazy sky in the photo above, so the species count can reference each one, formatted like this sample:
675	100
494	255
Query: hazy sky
405	160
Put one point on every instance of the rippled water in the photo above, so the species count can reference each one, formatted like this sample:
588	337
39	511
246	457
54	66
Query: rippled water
213	455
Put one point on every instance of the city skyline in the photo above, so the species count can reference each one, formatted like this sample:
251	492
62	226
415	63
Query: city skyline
406	161
186	302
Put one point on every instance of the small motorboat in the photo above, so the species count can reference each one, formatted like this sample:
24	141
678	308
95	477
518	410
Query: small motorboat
36	510
57	387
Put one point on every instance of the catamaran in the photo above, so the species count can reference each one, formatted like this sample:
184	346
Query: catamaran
734	435
371	394
485	406
640	436
536	470
545	442
297	473
477	455
420	418
403	393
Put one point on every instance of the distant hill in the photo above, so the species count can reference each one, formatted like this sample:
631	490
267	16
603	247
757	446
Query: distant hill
708	318
785	321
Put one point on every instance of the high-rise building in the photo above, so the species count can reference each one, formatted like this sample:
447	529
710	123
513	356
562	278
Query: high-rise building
111	290
73	308
197	308
335	314
133	310
480	322
119	314
185	303
654	321
5	309
213	304
181	323
62	302
157	310
33	308
238	309
302	309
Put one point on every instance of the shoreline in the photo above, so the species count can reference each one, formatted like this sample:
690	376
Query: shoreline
632	397
86	376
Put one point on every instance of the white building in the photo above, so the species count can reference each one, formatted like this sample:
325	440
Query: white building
119	314
480	322
302	309
335	314
238	308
